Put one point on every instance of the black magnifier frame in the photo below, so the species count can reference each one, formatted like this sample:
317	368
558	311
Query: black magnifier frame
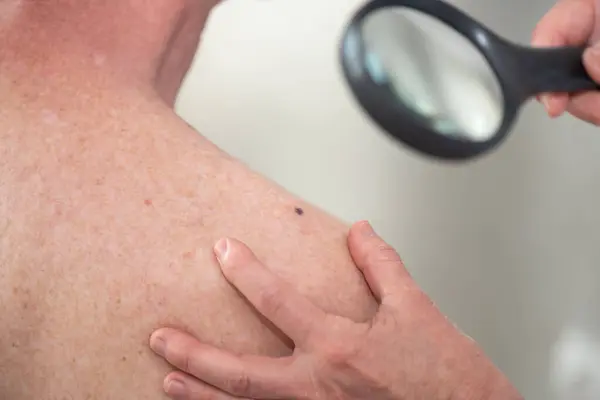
521	72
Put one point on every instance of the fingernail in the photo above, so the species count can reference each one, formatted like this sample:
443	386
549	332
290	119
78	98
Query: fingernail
222	250
366	229
157	344
175	388
545	99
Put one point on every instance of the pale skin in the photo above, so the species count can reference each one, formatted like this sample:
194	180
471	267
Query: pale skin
372	362
407	351
110	205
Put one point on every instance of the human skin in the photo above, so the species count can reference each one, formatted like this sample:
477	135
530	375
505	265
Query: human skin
573	23
110	205
408	351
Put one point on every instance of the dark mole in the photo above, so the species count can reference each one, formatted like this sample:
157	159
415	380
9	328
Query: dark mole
148	202
299	211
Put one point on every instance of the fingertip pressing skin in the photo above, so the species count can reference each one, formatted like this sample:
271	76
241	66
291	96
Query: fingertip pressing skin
380	264
174	385
178	385
359	233
157	342
274	298
233	254
222	250
228	376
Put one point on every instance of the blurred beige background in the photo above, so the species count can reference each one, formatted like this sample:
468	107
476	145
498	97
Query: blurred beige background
508	246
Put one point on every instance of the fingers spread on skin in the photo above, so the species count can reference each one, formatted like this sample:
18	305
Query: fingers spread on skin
277	300
180	386
250	376
379	262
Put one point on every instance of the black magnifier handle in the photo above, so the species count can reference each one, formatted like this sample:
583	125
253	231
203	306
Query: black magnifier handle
558	69
443	83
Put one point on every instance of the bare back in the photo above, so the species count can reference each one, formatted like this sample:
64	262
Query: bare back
107	222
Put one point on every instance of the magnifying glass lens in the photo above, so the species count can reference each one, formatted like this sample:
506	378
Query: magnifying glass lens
434	71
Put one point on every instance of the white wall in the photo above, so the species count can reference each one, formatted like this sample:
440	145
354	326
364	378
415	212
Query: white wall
508	246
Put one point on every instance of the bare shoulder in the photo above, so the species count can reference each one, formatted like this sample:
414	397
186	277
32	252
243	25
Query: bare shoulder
106	233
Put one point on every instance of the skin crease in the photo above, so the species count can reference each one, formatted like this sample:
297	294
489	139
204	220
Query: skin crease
110	205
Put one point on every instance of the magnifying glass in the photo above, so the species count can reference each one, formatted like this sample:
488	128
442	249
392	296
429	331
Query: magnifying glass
443	83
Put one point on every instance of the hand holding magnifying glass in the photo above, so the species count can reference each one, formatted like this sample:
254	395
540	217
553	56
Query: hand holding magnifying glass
447	86
573	23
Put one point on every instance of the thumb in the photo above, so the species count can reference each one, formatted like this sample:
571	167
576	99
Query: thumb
378	261
591	61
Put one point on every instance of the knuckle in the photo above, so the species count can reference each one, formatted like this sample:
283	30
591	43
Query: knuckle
341	351
336	354
186	362
184	356
239	385
384	253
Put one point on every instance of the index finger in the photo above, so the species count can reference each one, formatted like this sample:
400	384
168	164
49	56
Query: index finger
274	298
245	376
568	23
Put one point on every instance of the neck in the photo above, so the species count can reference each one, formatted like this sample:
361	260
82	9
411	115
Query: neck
149	44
